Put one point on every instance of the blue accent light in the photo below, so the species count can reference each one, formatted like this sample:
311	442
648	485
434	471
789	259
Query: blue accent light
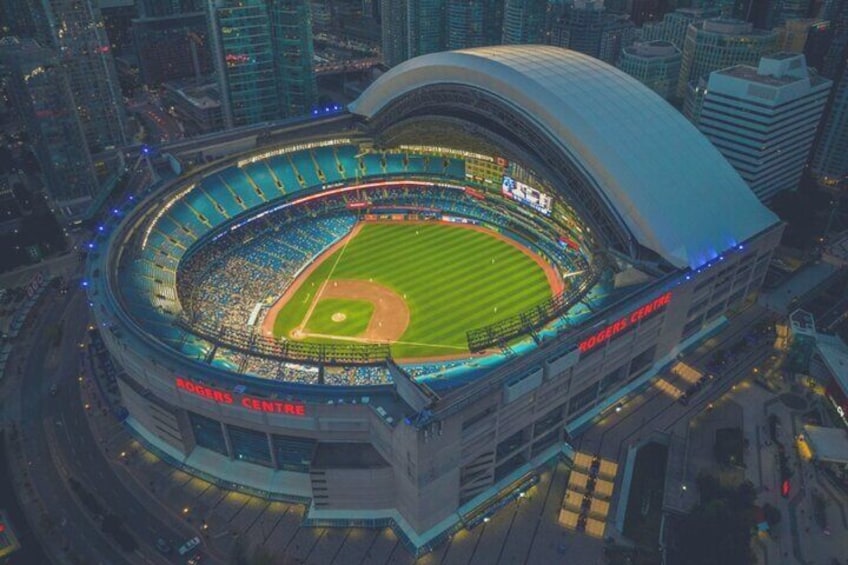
85	283
101	229
91	245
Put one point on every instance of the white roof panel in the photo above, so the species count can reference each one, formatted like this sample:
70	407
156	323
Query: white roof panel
674	191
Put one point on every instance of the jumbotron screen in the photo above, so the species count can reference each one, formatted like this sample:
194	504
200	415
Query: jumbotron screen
526	195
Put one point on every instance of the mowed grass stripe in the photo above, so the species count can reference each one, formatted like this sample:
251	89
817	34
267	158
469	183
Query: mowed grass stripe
446	273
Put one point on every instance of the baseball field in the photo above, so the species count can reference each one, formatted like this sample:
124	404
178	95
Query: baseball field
418	286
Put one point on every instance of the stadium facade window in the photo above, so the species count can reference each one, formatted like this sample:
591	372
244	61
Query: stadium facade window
542	444
735	298
509	466
691	327
547	421
293	453
704	283
583	398
250	446
715	310
643	360
477	418
613	377
208	433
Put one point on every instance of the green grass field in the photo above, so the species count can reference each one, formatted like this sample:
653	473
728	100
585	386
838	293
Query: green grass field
356	312
453	279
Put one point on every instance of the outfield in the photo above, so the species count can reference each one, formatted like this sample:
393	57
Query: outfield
449	278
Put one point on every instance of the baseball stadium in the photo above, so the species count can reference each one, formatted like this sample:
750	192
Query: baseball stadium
397	314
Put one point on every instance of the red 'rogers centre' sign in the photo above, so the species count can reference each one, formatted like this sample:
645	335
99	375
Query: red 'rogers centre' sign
622	324
244	400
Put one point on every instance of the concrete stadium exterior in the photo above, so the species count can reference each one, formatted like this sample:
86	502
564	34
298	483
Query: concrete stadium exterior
660	204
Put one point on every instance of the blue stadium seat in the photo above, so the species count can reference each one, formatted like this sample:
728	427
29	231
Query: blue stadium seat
261	175
237	182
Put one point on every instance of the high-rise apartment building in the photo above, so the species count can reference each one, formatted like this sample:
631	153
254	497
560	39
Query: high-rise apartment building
262	51
291	37
585	26
764	119
172	47
525	22
394	29
474	23
75	30
426	26
794	34
719	43
656	64
674	25
830	163
40	90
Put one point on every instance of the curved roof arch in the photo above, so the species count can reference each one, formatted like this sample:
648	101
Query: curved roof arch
673	190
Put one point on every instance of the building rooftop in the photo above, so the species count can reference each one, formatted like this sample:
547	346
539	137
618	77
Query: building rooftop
657	48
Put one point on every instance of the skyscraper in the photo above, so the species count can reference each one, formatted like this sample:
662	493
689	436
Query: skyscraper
40	90
172	47
525	22
719	43
291	37
830	163
393	20
585	26
262	52
674	25
764	119
426	26
656	64
474	23
75	30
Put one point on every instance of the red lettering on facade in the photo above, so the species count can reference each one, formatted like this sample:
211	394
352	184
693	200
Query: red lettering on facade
249	402
620	325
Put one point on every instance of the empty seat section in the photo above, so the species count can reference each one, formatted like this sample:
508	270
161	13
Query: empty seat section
282	168
261	175
346	158
304	165
394	164
218	192
185	215
237	181
170	226
455	169
415	164
372	166
199	202
325	157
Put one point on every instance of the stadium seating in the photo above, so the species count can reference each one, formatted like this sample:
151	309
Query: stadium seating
223	280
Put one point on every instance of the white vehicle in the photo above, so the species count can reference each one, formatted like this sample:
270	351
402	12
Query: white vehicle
189	545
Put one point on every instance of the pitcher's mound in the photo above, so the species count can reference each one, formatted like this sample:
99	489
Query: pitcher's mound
338	317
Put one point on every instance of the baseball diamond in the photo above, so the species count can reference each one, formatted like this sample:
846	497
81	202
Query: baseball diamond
426	284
